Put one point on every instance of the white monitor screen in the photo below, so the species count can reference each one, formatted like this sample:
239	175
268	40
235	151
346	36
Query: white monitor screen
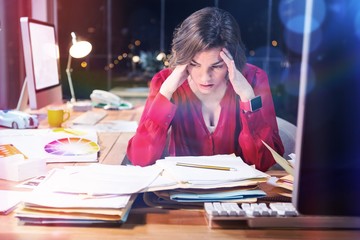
41	59
45	55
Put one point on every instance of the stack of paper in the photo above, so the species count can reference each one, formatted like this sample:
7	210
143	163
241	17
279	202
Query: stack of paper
86	195
59	208
286	184
207	178
206	172
99	193
93	194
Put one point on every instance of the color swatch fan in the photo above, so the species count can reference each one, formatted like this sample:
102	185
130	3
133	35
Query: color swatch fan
53	145
72	146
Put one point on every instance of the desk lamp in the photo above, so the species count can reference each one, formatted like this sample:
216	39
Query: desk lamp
78	49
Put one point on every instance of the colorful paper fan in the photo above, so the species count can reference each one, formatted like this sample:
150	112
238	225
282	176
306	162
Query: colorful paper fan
72	147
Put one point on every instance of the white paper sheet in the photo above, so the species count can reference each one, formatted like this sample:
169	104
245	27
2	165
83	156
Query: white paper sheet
98	179
63	200
209	176
9	200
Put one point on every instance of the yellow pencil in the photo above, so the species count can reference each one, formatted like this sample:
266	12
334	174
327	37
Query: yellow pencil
205	166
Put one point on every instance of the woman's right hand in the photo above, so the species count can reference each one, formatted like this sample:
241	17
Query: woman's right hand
174	80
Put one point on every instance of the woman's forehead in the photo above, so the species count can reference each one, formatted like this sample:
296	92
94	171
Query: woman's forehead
212	54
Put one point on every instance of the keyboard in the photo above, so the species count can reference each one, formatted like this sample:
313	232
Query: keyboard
89	118
268	215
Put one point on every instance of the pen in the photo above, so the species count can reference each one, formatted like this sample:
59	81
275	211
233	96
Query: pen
205	166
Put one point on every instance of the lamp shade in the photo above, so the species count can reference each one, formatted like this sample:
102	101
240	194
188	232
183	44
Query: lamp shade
80	49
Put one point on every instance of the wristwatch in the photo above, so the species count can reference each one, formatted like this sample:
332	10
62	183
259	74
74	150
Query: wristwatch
252	105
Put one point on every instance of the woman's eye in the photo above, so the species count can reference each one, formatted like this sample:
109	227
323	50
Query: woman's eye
217	66
193	65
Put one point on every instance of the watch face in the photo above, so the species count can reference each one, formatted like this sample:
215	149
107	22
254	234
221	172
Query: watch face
255	103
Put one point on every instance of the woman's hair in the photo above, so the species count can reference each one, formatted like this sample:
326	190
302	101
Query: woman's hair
207	28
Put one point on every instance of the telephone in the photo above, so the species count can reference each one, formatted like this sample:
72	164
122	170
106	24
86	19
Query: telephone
108	101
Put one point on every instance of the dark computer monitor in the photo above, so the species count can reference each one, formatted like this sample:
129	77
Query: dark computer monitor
328	137
41	58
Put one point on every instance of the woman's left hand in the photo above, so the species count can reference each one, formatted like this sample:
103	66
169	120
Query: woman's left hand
237	79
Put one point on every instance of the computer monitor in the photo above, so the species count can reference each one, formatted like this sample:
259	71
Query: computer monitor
328	136
41	58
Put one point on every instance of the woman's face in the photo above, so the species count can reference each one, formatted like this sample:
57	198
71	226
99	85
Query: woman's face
208	71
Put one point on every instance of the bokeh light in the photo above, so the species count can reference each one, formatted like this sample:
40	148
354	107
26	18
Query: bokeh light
136	59
357	24
137	43
160	56
294	40
83	64
292	14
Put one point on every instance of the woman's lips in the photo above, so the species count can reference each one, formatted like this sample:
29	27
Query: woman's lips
206	85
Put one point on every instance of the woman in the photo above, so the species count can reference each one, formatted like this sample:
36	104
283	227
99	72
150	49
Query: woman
201	104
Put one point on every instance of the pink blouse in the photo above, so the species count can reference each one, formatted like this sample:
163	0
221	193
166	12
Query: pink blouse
177	127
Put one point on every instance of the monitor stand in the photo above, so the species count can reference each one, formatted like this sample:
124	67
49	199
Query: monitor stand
23	101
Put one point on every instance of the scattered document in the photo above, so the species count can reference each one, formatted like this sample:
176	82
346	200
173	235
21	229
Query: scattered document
288	167
238	170
286	182
64	200
101	179
9	200
198	179
283	186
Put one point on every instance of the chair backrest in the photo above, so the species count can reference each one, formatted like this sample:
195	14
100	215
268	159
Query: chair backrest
287	133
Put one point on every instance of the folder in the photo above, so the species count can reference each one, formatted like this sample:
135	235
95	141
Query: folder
47	215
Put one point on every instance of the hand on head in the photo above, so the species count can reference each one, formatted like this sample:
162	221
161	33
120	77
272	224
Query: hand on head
176	78
237	79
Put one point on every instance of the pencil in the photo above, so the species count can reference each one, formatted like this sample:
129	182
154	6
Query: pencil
205	166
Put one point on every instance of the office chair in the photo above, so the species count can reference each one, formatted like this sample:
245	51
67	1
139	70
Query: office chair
287	132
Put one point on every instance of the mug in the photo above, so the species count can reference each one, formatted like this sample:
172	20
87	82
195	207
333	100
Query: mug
56	116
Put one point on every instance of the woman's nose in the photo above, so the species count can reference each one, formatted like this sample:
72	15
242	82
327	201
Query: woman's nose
205	75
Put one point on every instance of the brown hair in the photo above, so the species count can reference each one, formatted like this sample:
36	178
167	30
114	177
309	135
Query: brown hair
207	28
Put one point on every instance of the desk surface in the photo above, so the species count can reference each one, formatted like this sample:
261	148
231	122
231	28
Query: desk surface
148	223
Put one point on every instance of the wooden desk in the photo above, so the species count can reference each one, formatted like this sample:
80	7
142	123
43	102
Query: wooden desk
148	223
